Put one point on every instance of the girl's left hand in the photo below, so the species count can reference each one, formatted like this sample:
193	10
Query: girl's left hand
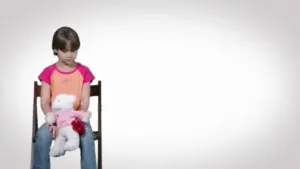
54	130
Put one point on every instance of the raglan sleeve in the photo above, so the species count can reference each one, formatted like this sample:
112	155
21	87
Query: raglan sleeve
88	76
45	76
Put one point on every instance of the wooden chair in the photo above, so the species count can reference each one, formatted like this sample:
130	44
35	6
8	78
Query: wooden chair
95	92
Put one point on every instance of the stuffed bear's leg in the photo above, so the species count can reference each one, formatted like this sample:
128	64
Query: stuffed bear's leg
73	139
58	148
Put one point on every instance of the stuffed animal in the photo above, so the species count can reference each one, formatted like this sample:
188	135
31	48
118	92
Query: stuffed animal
70	124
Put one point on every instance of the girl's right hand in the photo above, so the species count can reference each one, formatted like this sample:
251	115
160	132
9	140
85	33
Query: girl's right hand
54	130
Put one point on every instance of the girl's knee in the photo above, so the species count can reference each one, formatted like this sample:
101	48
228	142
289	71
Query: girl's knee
88	135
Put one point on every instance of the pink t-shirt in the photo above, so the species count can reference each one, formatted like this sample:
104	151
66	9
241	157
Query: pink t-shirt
67	82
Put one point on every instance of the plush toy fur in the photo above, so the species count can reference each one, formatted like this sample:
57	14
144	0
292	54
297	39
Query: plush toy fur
63	115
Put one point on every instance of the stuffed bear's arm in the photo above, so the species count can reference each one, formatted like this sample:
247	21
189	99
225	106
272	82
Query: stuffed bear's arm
84	116
50	118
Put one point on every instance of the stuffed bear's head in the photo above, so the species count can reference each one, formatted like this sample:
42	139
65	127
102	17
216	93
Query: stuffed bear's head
63	102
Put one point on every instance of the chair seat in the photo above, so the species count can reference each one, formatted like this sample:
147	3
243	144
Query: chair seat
95	134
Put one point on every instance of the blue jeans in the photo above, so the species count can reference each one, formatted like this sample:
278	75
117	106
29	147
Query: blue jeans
43	142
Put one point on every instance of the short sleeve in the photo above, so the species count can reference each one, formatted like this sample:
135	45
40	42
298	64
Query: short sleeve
88	76
45	76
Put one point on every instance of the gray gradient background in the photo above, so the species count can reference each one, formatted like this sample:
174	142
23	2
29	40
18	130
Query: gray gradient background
186	84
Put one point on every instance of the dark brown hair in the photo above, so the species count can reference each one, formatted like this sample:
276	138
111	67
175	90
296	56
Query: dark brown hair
65	38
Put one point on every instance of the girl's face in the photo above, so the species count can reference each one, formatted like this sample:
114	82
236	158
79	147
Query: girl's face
66	56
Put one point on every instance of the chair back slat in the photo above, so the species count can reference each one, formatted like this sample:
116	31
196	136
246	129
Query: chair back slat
94	90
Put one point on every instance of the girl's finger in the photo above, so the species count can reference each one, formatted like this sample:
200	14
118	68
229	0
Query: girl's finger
53	131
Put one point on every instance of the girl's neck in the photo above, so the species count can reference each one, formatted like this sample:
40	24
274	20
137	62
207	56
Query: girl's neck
62	65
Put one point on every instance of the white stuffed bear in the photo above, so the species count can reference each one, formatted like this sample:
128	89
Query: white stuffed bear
63	115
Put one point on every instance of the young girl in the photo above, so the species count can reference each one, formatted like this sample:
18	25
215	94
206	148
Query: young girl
69	77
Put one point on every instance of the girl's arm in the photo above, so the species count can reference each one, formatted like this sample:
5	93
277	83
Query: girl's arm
46	107
85	99
45	98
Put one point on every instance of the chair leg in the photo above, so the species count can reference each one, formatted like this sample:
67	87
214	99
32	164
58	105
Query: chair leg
99	154
32	155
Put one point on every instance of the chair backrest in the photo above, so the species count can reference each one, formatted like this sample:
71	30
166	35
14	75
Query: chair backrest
95	92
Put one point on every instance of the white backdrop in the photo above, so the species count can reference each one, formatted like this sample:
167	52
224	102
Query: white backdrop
186	84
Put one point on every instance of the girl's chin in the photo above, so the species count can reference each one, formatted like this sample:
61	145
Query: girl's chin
70	63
